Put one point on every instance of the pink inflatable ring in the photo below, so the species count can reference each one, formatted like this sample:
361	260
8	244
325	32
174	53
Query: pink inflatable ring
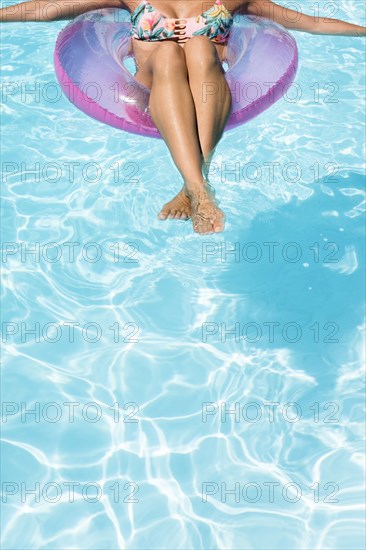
91	52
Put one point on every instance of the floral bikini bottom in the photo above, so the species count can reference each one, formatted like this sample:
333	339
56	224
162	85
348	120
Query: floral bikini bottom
150	25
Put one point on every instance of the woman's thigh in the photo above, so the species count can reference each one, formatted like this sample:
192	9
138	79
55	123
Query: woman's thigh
146	57
144	63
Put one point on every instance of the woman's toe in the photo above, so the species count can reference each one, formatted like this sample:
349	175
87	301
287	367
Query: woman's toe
163	214
219	224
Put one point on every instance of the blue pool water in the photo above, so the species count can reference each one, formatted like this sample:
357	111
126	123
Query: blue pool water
146	335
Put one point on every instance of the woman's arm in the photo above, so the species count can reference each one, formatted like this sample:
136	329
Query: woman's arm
301	22
53	11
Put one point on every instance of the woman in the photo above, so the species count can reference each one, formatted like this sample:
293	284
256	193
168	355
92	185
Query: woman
176	51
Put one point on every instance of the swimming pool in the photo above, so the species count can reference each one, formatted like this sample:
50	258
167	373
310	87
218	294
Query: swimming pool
187	392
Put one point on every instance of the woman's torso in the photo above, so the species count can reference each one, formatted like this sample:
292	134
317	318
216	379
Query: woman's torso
177	9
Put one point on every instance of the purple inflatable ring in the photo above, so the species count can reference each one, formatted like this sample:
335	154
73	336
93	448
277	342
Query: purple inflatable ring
91	52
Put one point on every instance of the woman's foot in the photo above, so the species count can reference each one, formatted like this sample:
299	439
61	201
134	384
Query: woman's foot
178	208
206	215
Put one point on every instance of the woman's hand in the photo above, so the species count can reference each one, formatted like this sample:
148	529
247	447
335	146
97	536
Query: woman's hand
295	20
44	10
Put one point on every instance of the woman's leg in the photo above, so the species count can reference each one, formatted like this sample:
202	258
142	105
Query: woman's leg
210	91
173	112
212	99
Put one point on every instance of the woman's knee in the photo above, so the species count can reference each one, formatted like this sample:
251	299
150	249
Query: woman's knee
201	53
168	58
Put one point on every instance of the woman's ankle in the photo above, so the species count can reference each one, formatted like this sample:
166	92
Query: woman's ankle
193	187
198	188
